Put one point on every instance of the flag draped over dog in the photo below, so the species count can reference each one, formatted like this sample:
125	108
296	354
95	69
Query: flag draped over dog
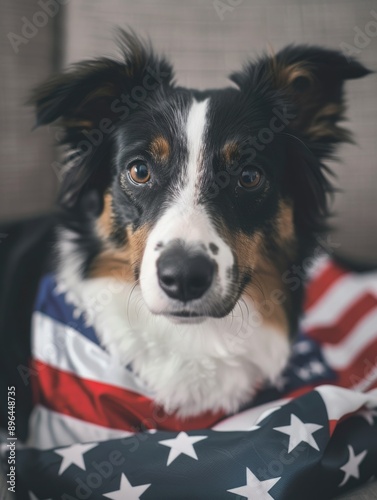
311	435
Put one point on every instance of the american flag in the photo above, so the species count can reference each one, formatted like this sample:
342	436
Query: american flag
312	435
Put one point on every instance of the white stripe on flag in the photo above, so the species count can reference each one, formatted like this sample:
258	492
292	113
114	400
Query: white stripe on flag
49	429
340	401
369	379
62	347
341	355
317	265
246	420
338	299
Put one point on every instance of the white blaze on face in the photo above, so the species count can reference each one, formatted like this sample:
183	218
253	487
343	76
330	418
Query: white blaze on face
186	219
195	130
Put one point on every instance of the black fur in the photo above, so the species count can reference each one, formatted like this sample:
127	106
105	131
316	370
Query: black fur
79	101
309	105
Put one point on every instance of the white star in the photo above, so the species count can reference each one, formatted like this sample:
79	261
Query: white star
126	490
76	313
74	455
317	367
281	382
60	288
303	373
351	468
88	319
302	347
298	432
183	443
255	488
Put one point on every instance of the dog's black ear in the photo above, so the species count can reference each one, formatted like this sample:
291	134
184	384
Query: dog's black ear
92	90
88	100
311	80
307	84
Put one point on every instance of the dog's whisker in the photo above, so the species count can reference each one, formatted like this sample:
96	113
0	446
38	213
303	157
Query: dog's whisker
129	299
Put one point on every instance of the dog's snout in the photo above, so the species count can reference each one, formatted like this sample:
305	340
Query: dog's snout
183	276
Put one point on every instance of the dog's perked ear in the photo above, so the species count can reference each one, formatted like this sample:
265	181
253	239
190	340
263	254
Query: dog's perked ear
311	80
306	84
90	98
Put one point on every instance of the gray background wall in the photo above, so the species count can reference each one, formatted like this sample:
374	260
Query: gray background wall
204	47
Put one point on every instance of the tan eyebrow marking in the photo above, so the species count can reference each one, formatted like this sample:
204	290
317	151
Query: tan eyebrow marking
230	151
160	149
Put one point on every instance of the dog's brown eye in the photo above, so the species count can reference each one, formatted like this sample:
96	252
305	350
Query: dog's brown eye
250	177
139	172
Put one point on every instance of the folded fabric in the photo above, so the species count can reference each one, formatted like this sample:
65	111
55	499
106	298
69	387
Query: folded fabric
316	446
301	438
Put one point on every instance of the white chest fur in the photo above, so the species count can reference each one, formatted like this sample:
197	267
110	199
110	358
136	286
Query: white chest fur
215	365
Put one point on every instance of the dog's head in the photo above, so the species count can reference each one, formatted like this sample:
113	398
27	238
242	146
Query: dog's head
201	196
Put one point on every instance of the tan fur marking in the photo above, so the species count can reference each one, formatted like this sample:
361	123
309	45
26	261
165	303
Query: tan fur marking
285	75
267	282
112	264
264	297
104	222
104	91
230	152
323	126
284	222
118	263
160	149
316	117
86	124
137	241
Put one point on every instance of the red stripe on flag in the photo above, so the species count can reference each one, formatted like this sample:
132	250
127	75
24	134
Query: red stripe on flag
341	327
320	284
361	367
332	425
301	390
106	405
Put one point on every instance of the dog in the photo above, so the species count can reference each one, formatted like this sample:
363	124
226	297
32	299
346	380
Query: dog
190	209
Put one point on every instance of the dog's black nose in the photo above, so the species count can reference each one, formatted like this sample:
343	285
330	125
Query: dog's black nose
183	276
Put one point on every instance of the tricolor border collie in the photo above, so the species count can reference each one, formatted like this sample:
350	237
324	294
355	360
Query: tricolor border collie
185	213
